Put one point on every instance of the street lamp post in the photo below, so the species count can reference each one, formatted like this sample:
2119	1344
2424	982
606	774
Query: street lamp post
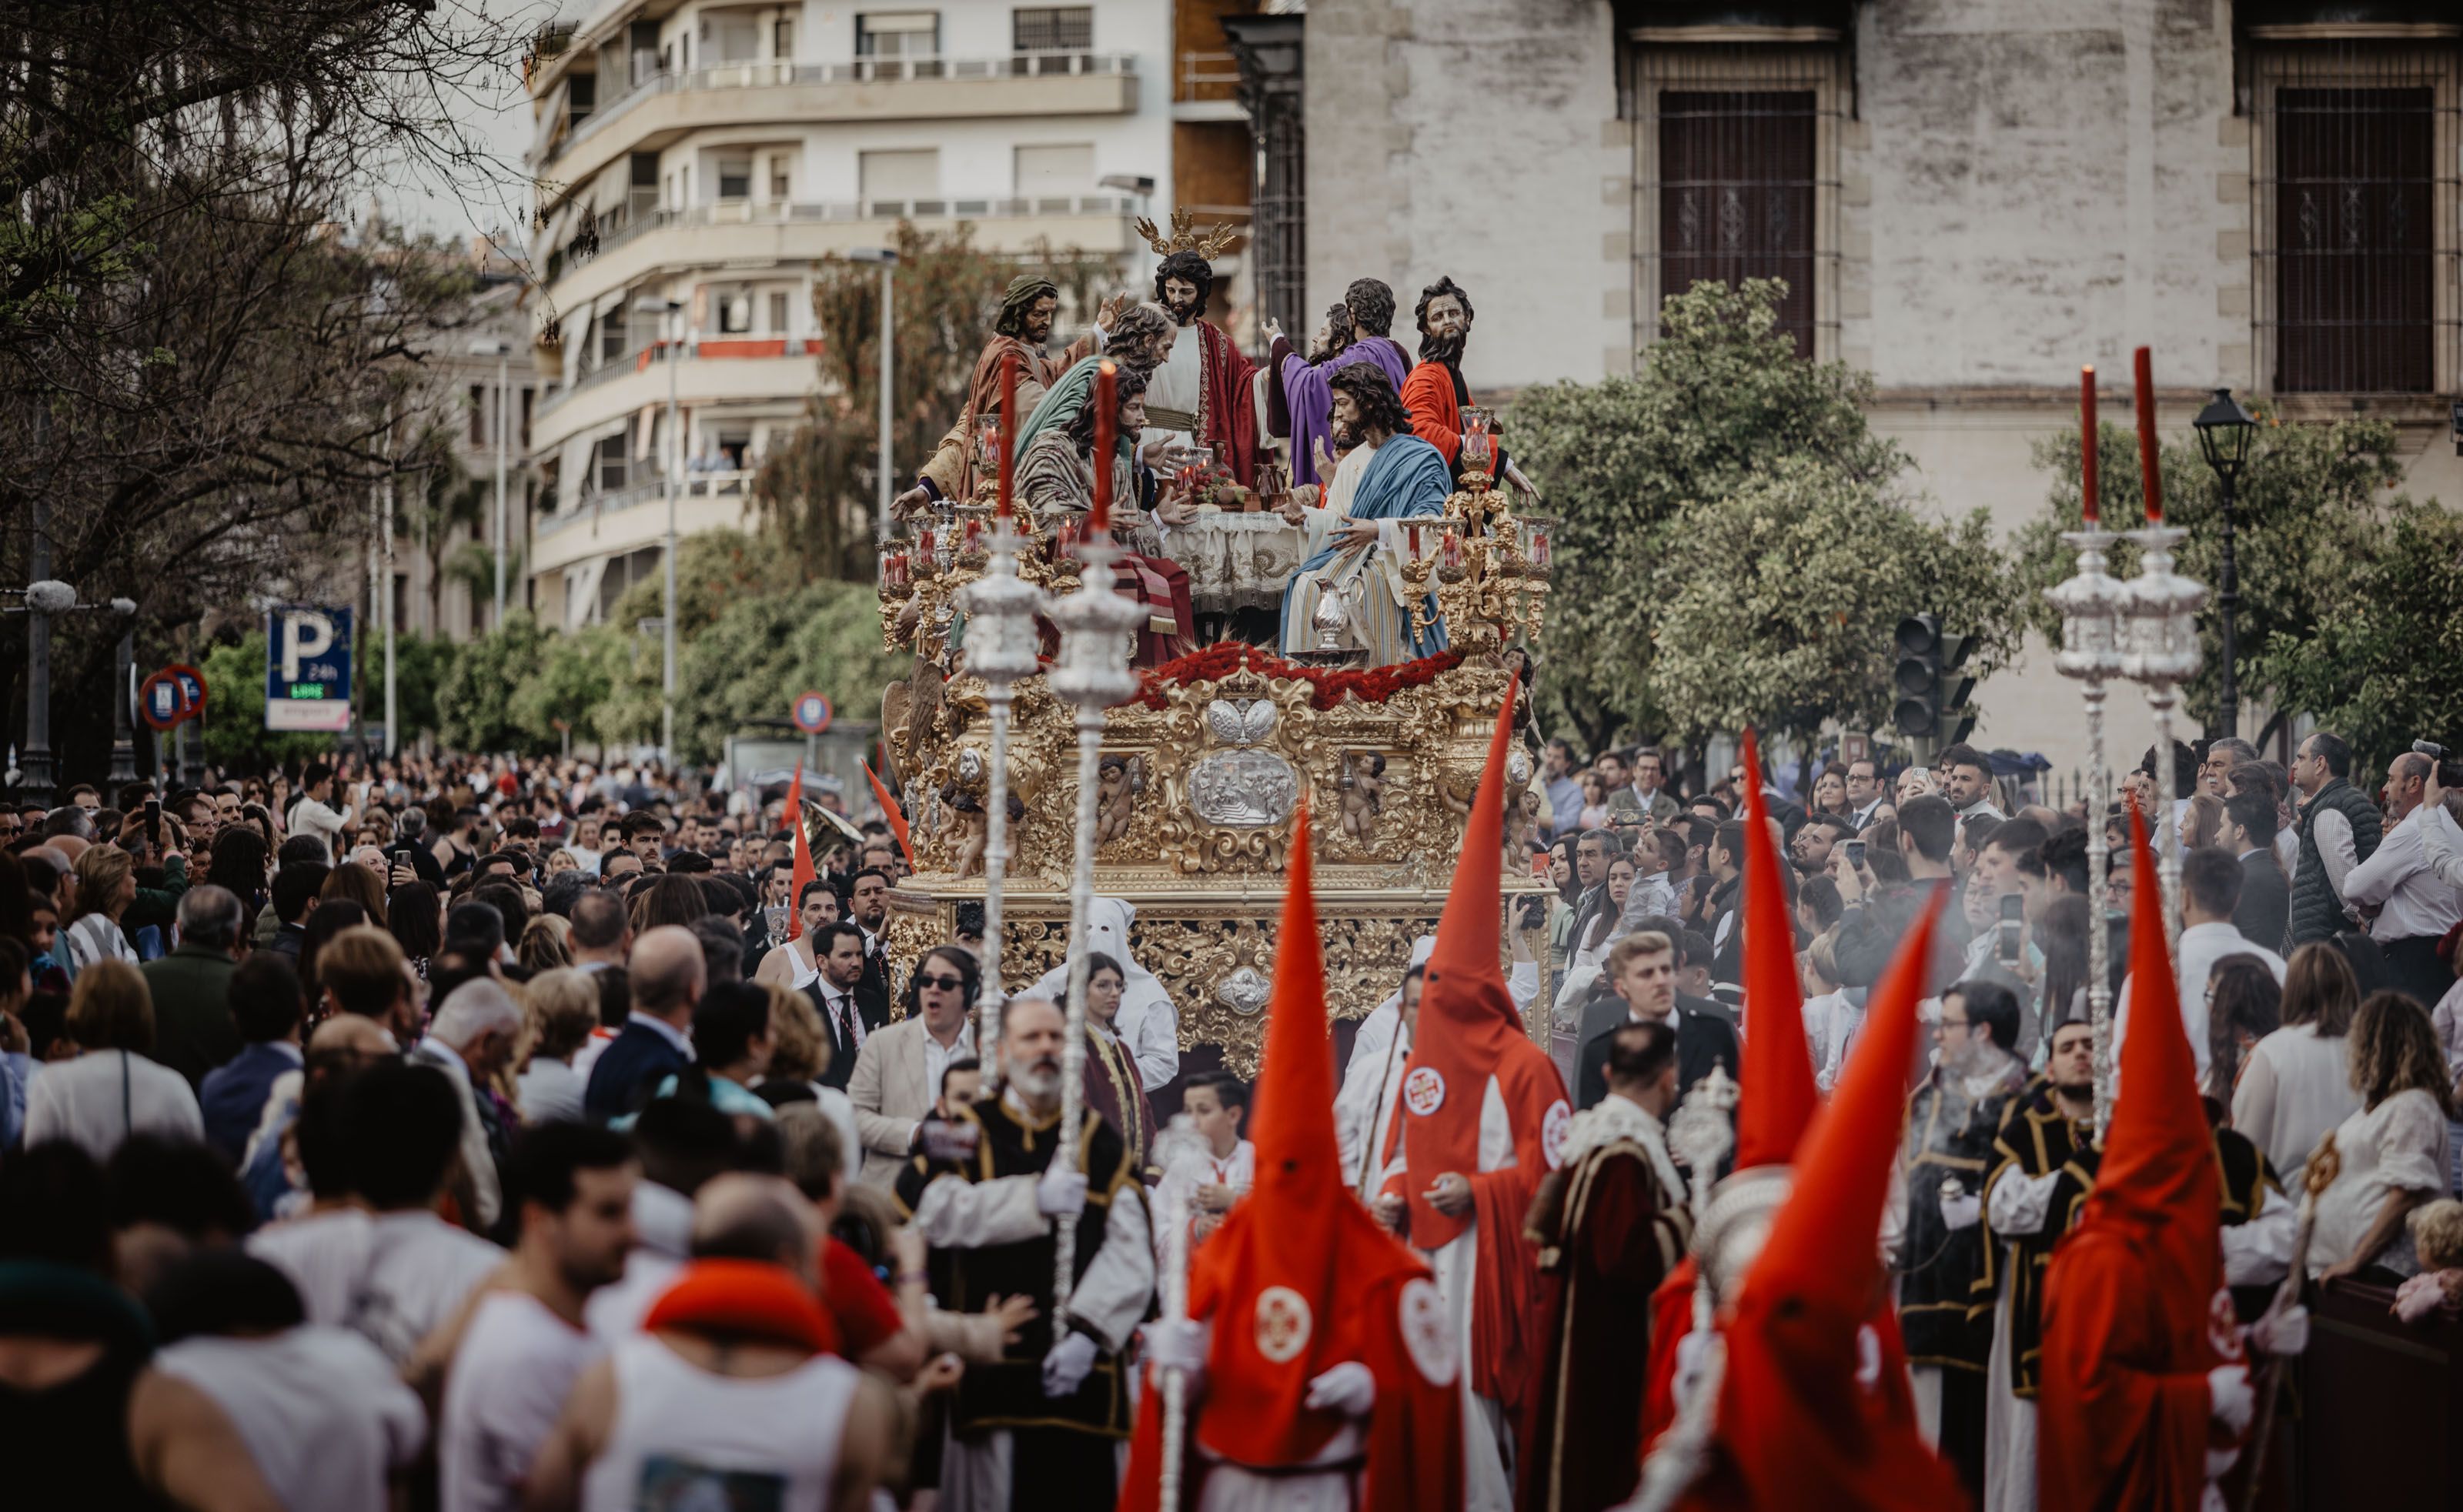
884	484
668	630
2224	432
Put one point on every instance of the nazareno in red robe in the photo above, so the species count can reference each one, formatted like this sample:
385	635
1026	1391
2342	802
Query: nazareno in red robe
2135	1309
1301	1279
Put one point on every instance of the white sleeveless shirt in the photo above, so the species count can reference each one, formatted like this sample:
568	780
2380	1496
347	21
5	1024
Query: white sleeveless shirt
685	1437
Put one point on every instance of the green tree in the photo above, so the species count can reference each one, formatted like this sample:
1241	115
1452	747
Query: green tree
2380	671
475	706
576	677
2313	517
816	491
1723	428
234	723
1780	599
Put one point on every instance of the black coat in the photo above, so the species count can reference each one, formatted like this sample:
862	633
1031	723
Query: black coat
2264	912
634	1061
1706	1036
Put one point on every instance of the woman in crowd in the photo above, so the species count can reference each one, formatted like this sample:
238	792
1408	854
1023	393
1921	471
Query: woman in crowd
2244	1006
357	884
562	1007
2392	1151
239	865
2203	824
545	943
107	884
1830	791
1113	1088
1595	800
415	918
2297	1083
112	1089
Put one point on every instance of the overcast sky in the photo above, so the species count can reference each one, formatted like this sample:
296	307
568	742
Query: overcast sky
488	193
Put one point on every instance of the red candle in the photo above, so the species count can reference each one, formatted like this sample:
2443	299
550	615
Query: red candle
2086	439
924	540
1101	518
2148	460
974	534
1008	418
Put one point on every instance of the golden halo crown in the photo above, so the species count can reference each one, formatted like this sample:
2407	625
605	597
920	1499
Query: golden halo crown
1184	238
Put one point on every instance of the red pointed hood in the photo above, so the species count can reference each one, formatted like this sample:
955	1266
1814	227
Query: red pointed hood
1300	1232
890	811
1777	1097
802	870
1467	1018
2158	1168
1823	1242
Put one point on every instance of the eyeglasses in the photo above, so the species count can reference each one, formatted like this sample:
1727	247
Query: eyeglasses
945	983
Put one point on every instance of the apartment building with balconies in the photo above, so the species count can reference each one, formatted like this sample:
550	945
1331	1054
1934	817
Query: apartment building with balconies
709	154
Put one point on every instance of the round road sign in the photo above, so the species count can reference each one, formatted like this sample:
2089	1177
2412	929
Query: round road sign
813	713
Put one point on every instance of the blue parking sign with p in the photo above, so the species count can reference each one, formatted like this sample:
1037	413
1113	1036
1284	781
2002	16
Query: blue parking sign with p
307	668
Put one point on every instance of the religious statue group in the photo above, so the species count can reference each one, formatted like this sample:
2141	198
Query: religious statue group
1348	442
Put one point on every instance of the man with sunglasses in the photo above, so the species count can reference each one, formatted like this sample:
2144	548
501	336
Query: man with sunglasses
897	1075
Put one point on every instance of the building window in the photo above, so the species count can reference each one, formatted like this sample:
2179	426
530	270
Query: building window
736	178
2353	231
782	39
1053	28
735	313
1736	156
778	312
478	414
781	179
1065	168
613	463
527	394
898	176
898	34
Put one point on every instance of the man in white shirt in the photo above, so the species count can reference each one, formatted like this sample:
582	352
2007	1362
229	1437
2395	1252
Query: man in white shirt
2209	890
392	1269
471	1040
515	1359
2409	906
312	813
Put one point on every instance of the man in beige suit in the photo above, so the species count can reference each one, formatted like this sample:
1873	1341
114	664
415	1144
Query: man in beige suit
897	1074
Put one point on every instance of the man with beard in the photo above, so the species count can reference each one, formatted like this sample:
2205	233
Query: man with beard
1435	392
1042	1424
1056	479
1355	330
1201	394
1022	328
1138	340
1953	1118
1357	544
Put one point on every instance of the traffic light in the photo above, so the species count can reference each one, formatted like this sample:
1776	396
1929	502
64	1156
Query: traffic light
1931	693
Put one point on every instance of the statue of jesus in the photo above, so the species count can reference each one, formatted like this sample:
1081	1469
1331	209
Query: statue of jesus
1356	540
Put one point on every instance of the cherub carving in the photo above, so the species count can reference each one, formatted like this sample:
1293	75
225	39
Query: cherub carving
1122	781
967	810
1521	822
1364	793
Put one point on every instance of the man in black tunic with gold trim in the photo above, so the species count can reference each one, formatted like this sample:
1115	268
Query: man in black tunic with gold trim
1043	1426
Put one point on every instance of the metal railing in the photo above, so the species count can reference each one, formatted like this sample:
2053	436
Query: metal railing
750	212
735	482
642	358
856	70
1208	75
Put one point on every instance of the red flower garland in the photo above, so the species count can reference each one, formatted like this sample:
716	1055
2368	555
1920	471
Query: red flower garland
1369	685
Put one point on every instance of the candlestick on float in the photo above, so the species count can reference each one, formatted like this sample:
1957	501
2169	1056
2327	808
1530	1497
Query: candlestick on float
1000	648
2160	650
2090	605
1092	673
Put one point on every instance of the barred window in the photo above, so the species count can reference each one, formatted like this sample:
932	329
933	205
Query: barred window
1053	28
2354	220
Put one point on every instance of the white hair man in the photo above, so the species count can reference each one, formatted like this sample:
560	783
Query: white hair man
471	1040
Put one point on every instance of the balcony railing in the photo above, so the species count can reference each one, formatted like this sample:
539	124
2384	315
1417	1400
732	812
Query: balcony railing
1207	76
564	136
629	223
692	486
708	347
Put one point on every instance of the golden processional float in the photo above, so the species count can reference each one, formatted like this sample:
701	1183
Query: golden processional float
1042	771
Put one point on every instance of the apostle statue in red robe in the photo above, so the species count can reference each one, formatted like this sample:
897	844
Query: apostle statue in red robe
1435	393
1483	1121
1323	1369
1201	394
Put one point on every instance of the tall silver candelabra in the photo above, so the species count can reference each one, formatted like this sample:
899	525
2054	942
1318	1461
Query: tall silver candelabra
1179	1148
2161	652
1097	630
1000	648
2091	603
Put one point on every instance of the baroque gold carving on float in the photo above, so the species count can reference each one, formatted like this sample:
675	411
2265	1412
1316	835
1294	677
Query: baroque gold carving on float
1200	781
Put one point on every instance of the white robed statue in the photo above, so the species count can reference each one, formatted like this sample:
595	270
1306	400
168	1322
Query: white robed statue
1358	542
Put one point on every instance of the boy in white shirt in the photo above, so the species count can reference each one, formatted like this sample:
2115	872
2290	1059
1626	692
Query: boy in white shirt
1216	1102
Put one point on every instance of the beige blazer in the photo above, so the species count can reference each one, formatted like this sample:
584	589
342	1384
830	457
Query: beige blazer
891	1089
